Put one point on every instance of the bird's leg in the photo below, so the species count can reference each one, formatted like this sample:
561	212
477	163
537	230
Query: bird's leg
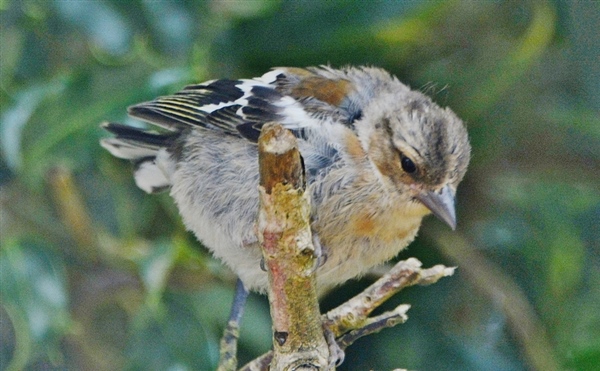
228	350
336	353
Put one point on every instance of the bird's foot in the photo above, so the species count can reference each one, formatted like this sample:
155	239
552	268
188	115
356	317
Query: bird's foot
336	353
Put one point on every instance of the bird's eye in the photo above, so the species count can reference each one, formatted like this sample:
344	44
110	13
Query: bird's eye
407	164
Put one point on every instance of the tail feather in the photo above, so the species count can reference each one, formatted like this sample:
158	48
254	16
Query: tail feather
127	149
139	135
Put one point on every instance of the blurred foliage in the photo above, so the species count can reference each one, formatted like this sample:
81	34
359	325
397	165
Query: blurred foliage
96	275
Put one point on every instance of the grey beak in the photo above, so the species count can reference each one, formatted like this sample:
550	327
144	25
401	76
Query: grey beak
440	204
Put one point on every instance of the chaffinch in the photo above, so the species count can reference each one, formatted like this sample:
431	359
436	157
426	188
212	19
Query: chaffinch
378	156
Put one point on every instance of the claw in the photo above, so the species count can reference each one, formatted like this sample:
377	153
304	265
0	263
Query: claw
336	354
320	253
262	265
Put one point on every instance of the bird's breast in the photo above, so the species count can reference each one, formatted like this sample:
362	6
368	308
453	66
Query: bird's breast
360	234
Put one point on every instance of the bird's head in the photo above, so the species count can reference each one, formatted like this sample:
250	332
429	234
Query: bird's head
418	148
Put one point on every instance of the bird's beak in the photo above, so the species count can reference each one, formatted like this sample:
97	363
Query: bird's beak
441	204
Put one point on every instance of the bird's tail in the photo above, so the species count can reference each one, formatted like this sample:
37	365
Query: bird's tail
154	165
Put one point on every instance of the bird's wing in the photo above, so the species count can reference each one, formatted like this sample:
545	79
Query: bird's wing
212	104
294	97
314	103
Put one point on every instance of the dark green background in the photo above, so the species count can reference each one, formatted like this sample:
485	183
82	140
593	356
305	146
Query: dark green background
96	275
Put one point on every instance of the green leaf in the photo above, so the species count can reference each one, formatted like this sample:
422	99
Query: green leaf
34	293
174	340
155	268
13	120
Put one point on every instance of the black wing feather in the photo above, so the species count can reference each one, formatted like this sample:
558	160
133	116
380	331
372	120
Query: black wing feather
184	108
250	130
188	107
132	134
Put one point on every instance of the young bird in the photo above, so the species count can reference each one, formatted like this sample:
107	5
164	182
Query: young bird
378	158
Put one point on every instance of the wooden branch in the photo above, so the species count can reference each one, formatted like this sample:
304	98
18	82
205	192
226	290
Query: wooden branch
351	320
289	255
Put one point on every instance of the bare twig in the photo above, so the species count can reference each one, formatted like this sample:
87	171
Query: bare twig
375	324
354	313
